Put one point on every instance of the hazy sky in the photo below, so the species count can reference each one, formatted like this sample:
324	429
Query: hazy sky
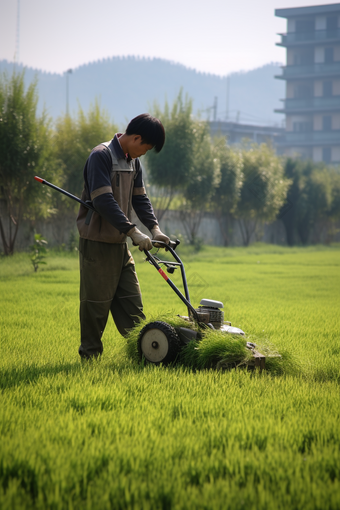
215	36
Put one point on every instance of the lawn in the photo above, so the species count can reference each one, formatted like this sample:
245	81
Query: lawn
115	434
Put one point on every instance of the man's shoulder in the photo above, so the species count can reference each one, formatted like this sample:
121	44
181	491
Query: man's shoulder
100	154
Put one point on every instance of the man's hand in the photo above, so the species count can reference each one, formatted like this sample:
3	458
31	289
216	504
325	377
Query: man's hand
139	239
157	235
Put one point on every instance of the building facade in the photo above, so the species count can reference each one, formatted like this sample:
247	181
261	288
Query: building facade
237	133
312	75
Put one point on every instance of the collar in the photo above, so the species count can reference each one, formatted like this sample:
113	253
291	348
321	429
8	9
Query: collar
118	148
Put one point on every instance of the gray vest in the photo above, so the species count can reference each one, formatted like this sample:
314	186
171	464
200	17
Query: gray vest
122	178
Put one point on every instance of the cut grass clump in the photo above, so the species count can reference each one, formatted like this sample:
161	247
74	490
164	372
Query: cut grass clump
278	363
215	349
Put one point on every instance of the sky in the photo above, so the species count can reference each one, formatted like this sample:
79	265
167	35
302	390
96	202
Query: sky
217	36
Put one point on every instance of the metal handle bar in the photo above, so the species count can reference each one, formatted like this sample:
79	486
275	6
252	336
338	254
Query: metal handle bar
172	244
88	205
151	259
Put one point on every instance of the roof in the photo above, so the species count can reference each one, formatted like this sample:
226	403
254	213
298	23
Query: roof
292	12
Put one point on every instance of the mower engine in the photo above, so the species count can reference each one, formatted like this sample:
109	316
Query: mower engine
210	313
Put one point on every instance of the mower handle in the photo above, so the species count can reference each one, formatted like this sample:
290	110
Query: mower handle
161	244
171	246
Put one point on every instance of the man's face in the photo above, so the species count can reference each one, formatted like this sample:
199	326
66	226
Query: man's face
137	148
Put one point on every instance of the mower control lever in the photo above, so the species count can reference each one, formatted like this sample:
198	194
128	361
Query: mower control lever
161	244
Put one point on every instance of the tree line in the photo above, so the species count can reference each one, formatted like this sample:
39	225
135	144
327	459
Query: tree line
194	173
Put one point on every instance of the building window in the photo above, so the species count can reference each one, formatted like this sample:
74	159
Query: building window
327	154
327	123
305	25
332	25
304	57
303	91
329	55
303	127
327	89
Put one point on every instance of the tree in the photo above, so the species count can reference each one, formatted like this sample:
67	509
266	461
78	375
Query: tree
310	207
334	210
294	170
74	139
227	193
314	202
263	191
170	169
24	152
204	177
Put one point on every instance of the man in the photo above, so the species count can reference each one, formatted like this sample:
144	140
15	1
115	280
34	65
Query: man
113	182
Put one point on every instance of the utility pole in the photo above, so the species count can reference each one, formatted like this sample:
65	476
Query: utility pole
17	38
68	72
215	109
227	98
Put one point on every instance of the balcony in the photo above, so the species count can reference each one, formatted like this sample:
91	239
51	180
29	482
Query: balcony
310	71
311	138
293	38
310	104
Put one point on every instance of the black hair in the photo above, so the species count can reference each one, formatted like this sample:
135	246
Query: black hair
149	128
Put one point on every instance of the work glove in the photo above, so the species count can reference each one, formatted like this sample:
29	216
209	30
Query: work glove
139	239
157	235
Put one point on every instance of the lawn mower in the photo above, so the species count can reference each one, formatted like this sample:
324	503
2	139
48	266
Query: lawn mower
159	342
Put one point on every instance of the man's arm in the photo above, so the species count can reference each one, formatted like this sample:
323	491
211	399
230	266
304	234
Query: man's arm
143	207
97	178
98	182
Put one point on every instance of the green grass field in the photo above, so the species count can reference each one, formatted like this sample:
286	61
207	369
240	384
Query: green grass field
114	434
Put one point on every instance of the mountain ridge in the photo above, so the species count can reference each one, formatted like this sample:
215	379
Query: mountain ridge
127	86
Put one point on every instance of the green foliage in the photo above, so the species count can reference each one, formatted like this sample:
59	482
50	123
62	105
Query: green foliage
334	210
312	201
24	152
203	179
172	166
187	164
205	174
38	251
227	194
73	140
171	169
264	188
193	171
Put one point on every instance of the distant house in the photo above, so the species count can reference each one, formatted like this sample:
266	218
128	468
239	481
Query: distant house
237	133
312	75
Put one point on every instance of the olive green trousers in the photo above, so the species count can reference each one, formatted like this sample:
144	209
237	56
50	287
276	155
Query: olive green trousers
108	283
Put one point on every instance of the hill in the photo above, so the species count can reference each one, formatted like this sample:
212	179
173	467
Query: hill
128	86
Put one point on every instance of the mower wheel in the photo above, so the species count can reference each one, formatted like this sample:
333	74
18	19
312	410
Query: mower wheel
158	343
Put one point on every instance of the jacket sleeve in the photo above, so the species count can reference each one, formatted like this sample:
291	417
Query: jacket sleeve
97	179
141	202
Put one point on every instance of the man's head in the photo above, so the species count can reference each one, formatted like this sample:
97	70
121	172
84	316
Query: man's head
149	129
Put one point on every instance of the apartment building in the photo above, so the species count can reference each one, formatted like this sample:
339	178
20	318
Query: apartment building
312	75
